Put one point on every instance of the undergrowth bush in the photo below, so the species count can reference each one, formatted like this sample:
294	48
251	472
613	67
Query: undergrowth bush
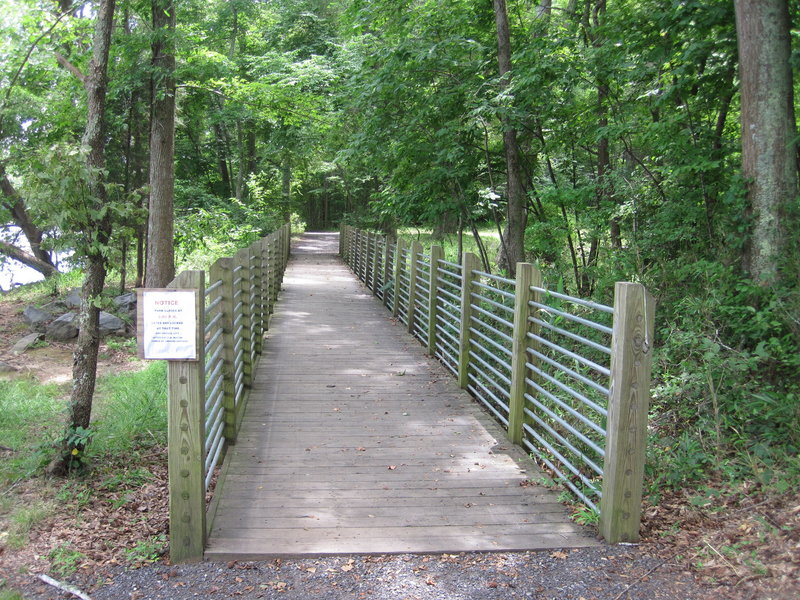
726	385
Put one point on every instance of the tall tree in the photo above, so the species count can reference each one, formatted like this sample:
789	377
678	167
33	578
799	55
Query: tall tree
160	232
513	246
98	234
769	153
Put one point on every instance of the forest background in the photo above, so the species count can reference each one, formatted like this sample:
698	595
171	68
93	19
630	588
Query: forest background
627	162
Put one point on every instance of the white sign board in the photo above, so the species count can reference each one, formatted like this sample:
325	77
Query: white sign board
167	324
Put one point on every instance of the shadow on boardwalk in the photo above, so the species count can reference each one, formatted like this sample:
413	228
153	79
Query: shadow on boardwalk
354	441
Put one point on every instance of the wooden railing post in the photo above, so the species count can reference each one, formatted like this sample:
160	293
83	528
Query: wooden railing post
287	245
377	263
388	270
264	290
241	261
527	275
398	271
369	263
416	250
186	439
257	302
469	264
437	254
222	269
629	396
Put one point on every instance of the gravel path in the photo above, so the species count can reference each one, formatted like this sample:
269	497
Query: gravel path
605	573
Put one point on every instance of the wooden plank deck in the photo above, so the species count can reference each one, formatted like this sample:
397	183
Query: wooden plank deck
354	441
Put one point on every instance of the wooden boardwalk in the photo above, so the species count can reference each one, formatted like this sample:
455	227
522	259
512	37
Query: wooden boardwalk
355	442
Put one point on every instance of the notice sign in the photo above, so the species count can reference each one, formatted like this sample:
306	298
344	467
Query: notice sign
167	324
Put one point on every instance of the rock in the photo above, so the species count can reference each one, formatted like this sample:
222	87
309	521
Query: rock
36	318
63	328
26	342
109	324
126	302
7	368
55	307
73	299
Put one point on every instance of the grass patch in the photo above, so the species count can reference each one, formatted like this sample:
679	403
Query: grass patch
42	291
132	412
23	519
31	417
449	242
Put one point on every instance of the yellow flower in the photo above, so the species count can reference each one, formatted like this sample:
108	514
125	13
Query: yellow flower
75	452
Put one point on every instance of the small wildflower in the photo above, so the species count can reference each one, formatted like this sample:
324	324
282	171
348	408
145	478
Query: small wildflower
75	452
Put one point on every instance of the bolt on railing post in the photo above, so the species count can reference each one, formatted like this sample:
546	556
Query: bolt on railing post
469	264
527	275
398	271
437	254
416	250
628	399
186	438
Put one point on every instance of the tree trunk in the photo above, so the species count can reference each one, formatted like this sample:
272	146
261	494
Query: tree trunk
160	252
22	219
286	188
513	248
27	259
84	370
768	135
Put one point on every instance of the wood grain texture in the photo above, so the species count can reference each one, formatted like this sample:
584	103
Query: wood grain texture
355	441
628	402
186	436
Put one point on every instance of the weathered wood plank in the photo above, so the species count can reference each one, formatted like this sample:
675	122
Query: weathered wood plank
341	394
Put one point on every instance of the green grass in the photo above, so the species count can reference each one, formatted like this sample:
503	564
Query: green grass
449	243
10	594
132	411
23	519
44	291
31	417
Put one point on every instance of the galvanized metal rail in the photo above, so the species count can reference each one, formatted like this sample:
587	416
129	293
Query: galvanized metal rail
568	378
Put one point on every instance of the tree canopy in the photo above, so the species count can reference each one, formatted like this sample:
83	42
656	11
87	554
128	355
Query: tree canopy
628	121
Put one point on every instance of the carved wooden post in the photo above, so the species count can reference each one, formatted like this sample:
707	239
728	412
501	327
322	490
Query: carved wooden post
186	438
629	396
437	254
469	264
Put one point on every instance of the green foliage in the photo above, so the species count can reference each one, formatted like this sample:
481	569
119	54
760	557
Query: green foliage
31	416
132	414
65	560
24	519
147	551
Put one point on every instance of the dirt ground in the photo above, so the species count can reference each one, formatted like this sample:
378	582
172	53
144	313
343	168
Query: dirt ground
740	545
